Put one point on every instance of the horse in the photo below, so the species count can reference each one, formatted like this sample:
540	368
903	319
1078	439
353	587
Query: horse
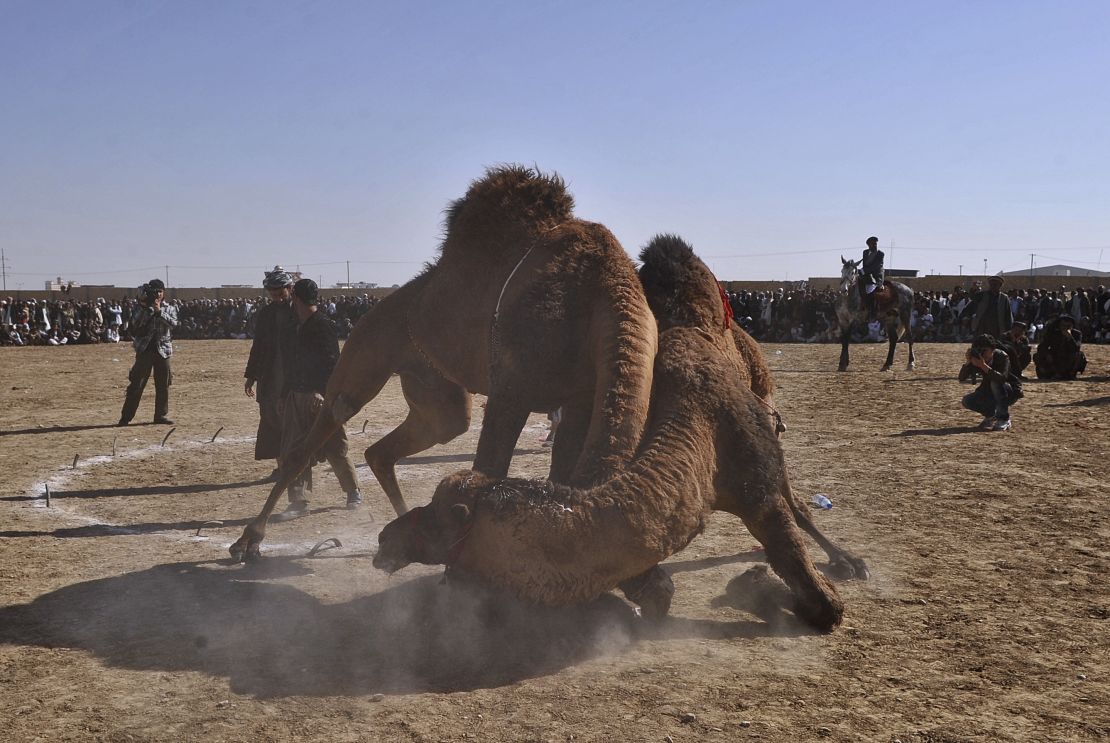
894	303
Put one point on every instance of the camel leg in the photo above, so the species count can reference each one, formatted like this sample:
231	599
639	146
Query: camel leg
501	427
652	591
845	336
439	411
570	440
248	546
816	600
842	563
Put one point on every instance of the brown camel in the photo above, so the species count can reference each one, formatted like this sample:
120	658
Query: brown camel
709	445
528	304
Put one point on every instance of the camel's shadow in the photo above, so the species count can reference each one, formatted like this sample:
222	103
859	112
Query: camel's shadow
271	640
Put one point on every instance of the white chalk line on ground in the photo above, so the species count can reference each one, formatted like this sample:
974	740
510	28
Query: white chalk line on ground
67	475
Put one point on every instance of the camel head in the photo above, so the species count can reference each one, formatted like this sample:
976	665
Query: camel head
680	288
511	193
430	534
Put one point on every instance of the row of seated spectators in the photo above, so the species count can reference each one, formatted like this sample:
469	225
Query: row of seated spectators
801	315
809	316
64	322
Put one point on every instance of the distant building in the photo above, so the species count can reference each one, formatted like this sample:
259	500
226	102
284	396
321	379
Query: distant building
355	285
1058	270
57	285
905	273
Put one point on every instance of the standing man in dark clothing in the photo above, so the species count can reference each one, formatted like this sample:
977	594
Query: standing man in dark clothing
993	315
151	324
310	358
871	273
275	323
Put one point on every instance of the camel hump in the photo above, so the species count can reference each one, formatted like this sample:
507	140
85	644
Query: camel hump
679	286
511	192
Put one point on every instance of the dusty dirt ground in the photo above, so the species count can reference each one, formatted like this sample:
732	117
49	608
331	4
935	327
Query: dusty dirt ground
986	618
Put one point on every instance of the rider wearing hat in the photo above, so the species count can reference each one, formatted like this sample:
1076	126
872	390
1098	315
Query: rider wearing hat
871	273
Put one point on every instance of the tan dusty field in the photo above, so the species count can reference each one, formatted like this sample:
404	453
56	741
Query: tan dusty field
987	617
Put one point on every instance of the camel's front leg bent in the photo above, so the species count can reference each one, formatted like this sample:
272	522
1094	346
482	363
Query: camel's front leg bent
652	591
816	599
439	411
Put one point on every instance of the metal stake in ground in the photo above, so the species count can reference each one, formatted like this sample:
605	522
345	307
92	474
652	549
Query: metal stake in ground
216	434
74	465
47	486
168	436
324	545
208	523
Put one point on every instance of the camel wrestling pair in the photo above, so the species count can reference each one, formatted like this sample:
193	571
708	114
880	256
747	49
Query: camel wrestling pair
667	410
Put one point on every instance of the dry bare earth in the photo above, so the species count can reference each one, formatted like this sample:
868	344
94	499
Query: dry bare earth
986	619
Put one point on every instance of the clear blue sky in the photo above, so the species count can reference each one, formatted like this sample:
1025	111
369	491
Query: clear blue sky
223	136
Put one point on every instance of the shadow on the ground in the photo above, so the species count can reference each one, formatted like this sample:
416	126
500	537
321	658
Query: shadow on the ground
65	429
950	431
273	640
949	378
117	530
448	458
202	487
686	566
1094	402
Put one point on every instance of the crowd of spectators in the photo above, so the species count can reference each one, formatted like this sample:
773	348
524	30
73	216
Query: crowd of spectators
801	315
809	316
61	322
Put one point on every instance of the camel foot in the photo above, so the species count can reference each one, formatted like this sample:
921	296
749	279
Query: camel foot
248	547
652	592
842	368
886	367
848	567
245	552
911	366
820	609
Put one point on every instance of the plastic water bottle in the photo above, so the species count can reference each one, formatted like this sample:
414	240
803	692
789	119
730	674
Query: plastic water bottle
822	501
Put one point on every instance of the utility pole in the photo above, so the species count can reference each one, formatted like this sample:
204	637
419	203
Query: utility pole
1030	269
984	266
348	274
961	269
4	268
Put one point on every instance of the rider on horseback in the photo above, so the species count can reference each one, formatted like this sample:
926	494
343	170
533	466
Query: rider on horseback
871	274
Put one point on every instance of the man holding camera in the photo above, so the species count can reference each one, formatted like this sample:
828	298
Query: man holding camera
150	327
999	387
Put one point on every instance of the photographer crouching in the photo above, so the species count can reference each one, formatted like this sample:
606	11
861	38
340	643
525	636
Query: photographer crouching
151	323
999	388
